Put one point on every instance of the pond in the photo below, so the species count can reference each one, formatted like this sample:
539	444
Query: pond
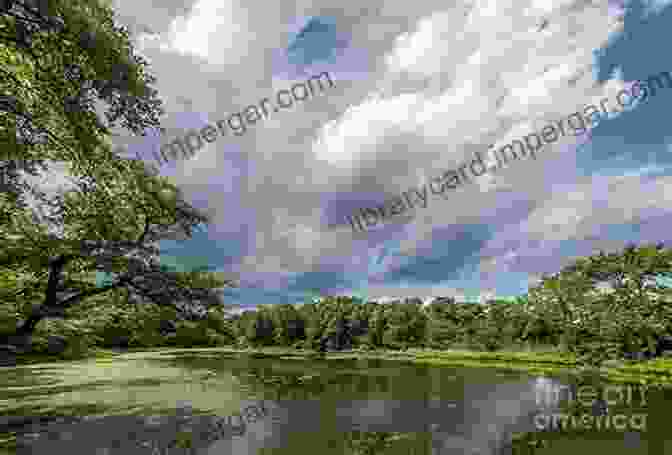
214	402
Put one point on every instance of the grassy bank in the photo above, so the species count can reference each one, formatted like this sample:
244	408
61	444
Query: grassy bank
34	358
658	371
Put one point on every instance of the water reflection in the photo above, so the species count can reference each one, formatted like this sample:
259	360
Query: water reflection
211	404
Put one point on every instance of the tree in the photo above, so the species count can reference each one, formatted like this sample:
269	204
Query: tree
310	313
242	326
632	311
405	324
638	305
358	328
289	327
441	334
59	58
564	297
122	212
377	324
337	333
260	332
62	59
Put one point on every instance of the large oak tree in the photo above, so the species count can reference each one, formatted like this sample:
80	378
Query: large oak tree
62	63
610	303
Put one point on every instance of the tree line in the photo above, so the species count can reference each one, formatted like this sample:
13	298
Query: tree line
606	306
61	62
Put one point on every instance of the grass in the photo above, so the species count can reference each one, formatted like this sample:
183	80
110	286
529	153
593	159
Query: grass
657	371
33	358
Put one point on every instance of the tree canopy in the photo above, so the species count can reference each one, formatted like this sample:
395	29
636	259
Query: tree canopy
63	62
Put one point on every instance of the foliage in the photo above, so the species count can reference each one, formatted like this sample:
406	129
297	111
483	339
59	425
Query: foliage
122	221
598	308
570	310
630	314
61	60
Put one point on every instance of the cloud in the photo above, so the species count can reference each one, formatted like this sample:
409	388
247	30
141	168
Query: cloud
419	87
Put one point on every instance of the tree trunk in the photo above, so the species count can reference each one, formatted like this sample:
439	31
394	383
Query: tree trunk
28	326
25	331
22	337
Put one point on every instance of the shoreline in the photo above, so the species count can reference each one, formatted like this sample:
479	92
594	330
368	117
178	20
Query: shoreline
656	371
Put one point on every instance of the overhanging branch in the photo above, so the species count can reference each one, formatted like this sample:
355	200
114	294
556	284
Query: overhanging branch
73	299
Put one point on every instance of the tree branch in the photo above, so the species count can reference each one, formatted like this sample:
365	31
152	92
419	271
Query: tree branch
73	299
33	287
145	232
56	268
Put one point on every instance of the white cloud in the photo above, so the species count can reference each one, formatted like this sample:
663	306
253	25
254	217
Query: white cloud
445	81
342	141
416	52
212	30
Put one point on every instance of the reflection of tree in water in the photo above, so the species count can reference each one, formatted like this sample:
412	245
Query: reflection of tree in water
289	385
386	443
359	443
281	386
378	443
526	443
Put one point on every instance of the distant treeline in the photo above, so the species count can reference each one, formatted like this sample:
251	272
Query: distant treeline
601	307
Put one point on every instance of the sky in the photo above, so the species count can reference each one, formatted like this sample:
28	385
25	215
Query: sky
418	88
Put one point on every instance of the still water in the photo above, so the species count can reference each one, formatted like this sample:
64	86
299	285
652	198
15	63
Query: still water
221	403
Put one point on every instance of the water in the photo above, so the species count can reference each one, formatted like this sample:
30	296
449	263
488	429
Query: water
224	403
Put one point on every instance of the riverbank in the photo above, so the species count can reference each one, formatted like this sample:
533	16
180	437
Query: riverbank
657	371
